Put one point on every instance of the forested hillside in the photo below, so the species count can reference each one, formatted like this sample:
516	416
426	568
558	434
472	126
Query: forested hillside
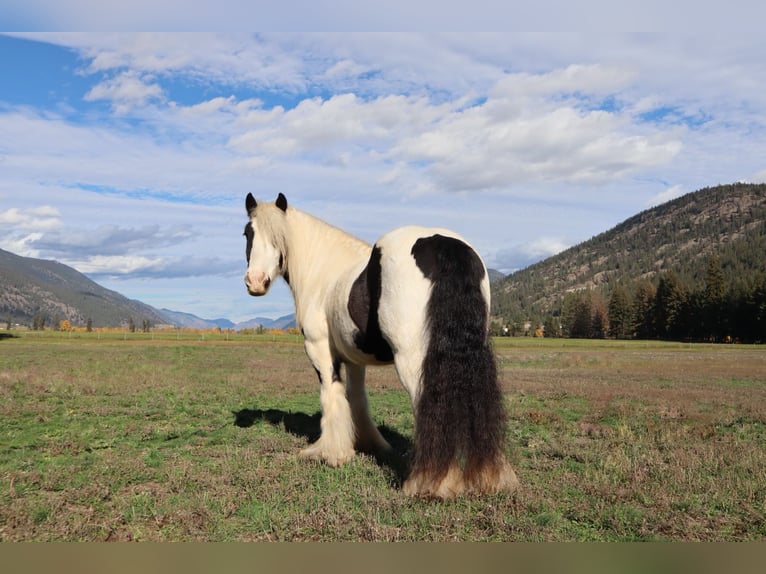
692	268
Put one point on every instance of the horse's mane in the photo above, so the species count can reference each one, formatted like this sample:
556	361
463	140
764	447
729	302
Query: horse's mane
315	251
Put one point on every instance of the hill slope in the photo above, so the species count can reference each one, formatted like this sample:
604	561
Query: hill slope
35	287
727	220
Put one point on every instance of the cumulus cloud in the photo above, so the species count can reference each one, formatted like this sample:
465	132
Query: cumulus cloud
44	217
524	254
125	91
523	132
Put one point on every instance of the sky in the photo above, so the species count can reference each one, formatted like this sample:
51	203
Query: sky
128	156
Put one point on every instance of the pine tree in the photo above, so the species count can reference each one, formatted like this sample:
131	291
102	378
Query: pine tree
714	300
643	311
670	305
620	313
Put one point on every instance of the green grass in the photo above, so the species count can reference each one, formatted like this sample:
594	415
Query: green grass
134	438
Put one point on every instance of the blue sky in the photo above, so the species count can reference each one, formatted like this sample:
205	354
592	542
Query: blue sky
128	156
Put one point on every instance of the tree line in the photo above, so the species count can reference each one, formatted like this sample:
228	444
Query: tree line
667	309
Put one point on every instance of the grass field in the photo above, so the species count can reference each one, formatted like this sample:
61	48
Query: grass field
144	437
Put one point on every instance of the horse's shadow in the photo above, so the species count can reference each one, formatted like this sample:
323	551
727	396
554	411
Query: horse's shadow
308	427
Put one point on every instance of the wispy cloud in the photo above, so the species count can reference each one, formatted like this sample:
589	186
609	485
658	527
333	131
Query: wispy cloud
111	240
147	267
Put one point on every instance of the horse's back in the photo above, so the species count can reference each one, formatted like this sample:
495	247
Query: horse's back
381	306
411	259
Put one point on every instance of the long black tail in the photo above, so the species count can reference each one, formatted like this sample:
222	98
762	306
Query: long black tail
460	417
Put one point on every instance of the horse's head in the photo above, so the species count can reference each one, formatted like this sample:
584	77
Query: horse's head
265	251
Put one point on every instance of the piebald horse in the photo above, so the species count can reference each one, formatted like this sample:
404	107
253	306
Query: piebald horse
418	298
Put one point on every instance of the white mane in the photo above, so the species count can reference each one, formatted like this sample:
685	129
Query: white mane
316	252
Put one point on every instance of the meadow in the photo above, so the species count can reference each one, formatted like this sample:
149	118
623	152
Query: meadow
195	437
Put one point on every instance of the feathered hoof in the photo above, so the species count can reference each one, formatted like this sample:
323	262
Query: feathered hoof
333	457
493	478
423	485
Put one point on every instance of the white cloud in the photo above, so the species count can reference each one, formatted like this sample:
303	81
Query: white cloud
125	91
524	254
40	218
149	267
668	195
112	239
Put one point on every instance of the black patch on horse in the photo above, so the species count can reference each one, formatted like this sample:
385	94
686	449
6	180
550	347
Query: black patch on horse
440	257
363	303
249	234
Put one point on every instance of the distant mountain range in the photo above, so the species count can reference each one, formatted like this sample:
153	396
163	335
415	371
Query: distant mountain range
188	320
51	291
33	290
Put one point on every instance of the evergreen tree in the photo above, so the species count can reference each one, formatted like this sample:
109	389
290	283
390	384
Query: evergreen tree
670	305
621	314
576	315
599	316
643	311
713	311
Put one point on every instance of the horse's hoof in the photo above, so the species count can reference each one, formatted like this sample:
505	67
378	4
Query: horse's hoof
449	486
333	459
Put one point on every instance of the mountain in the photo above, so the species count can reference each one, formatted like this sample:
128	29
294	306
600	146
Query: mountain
52	291
728	221
284	322
181	319
33	290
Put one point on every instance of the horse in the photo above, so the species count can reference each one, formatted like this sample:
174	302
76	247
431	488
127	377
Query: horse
418	298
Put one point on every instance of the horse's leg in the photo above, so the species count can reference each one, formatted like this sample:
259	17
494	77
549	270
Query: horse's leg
336	443
368	437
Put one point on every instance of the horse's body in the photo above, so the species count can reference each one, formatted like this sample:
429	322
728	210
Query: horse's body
418	298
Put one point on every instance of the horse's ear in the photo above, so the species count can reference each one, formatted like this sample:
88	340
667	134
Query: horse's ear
282	202
250	203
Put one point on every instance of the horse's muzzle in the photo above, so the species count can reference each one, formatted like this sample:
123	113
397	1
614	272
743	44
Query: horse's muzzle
258	287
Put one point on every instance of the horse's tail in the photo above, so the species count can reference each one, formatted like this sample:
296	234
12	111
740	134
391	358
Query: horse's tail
460	419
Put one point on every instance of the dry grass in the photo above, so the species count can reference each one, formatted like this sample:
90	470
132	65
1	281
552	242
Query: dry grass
197	440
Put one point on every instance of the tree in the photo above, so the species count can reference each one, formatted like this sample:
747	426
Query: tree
670	305
552	326
38	322
599	316
621	314
713	301
576	315
643	311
